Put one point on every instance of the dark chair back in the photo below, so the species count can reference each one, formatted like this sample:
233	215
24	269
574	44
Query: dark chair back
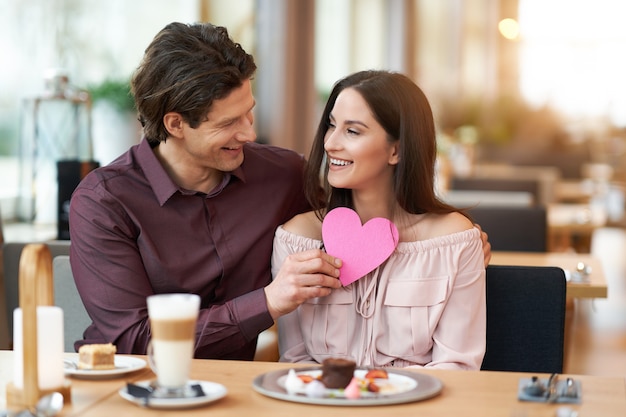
498	184
519	229
525	319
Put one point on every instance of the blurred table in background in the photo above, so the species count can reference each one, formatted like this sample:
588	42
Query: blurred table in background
570	226
595	288
29	232
545	177
574	191
470	198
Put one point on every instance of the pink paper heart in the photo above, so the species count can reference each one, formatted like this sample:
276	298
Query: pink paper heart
362	248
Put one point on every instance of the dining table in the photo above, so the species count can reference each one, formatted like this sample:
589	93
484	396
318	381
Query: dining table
571	226
575	191
546	177
460	392
595	285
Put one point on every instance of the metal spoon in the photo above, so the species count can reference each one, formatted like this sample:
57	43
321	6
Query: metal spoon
146	392
551	394
68	363
49	405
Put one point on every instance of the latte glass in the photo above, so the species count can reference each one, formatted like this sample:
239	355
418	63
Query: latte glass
173	325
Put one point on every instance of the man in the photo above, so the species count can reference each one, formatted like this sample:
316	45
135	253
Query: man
193	208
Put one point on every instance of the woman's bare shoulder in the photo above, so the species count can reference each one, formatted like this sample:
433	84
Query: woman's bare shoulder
445	224
305	224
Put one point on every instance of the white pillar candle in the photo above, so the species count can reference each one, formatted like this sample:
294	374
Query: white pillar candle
50	347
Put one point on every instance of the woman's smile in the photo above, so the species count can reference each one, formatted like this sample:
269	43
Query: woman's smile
339	162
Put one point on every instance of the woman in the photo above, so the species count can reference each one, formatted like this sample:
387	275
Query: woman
425	305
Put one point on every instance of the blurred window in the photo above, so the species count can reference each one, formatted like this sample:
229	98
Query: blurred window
93	41
571	57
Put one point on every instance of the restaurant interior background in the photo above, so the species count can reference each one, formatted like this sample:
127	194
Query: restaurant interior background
517	82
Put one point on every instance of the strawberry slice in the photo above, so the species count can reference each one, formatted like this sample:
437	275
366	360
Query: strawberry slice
376	373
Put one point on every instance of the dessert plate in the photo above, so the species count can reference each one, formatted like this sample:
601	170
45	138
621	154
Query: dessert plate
123	365
401	387
212	392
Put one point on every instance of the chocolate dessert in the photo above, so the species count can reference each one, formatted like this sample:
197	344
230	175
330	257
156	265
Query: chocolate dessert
337	373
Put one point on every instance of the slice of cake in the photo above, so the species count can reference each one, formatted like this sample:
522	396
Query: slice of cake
97	356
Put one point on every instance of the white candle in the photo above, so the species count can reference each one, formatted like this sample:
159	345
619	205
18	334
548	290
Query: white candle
49	347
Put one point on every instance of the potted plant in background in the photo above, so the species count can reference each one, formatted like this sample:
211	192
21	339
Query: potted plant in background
114	119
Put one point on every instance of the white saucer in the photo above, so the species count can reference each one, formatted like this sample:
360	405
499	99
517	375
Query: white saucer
212	392
123	365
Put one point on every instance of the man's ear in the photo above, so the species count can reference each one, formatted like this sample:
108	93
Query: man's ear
173	122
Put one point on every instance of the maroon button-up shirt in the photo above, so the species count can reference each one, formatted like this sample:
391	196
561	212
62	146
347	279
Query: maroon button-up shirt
134	233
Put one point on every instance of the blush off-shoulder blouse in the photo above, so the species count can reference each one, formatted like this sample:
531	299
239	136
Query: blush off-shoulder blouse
423	307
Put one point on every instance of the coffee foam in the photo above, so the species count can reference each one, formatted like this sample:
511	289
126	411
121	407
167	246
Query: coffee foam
172	307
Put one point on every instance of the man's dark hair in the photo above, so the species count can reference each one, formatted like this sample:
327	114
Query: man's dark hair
184	69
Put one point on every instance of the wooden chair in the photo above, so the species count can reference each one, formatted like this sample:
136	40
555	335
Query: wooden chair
525	319
267	345
12	252
36	290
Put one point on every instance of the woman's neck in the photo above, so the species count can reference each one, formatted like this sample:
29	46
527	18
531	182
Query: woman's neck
371	204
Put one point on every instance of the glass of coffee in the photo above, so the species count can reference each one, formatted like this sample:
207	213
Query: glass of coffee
170	352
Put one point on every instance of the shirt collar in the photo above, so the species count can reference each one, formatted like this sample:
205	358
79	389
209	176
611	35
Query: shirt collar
160	181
